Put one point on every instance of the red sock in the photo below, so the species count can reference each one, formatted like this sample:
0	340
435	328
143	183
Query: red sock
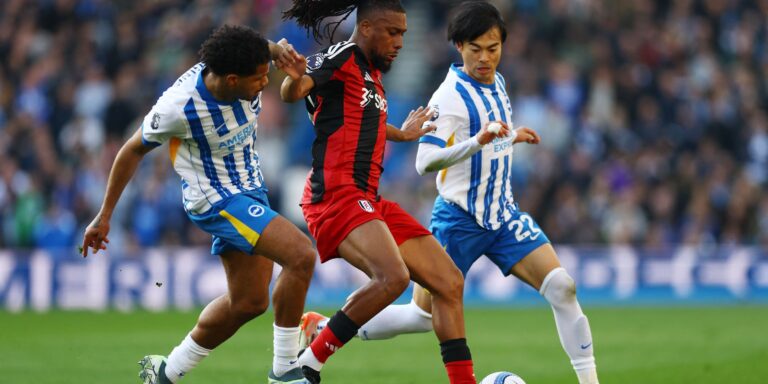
460	372
325	345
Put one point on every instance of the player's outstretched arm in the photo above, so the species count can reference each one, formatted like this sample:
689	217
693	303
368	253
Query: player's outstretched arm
414	126
126	162
431	158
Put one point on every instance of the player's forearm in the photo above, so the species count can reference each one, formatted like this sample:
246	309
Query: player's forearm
394	133
123	169
431	158
274	49
292	90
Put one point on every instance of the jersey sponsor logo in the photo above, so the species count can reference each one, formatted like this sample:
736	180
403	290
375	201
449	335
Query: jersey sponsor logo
256	210
239	138
315	61
155	124
365	205
369	96
501	144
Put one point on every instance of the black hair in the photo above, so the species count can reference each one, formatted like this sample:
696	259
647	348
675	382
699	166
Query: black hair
311	13
234	49
474	18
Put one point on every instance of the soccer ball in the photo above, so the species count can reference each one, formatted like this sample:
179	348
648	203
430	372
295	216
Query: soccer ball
502	378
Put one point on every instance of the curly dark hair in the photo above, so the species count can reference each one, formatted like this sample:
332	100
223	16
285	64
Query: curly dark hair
311	13
234	49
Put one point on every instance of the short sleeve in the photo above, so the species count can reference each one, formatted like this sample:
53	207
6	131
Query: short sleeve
448	116
322	65
161	124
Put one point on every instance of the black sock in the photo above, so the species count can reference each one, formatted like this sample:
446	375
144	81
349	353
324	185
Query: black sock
455	350
343	327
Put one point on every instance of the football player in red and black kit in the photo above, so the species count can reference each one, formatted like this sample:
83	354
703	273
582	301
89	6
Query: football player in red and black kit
345	214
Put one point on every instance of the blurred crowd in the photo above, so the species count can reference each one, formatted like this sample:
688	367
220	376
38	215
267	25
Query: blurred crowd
652	115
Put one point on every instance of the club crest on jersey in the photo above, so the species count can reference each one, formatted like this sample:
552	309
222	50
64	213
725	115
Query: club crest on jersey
365	205
255	210
435	112
155	124
315	61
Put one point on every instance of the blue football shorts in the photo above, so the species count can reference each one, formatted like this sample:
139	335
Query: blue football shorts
236	222
465	240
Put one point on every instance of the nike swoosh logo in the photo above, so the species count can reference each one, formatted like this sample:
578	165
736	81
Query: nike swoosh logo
292	362
585	346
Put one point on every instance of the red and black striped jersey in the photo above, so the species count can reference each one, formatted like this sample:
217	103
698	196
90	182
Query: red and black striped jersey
349	111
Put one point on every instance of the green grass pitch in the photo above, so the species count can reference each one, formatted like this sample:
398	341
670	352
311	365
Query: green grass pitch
633	345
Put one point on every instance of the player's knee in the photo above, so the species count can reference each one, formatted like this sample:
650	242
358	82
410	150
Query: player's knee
394	281
559	287
247	309
452	285
302	258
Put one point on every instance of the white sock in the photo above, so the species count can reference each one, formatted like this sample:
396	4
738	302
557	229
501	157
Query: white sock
183	358
286	343
572	326
309	359
396	320
587	376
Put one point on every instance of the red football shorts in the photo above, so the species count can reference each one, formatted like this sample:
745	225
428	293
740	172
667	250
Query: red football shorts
331	220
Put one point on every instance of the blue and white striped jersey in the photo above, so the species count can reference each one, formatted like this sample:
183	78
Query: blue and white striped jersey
480	184
211	143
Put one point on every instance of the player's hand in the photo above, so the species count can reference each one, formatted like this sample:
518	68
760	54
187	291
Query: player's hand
526	135
484	136
95	236
414	126
290	61
283	54
296	70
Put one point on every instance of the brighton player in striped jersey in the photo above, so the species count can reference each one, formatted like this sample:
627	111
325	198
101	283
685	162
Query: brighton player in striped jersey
475	213
209	120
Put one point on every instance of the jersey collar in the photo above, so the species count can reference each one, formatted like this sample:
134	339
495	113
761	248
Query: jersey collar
206	95
456	68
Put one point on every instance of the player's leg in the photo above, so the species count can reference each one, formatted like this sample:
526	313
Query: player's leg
248	236
395	319
399	319
431	267
541	269
292	250
247	297
262	231
371	248
464	242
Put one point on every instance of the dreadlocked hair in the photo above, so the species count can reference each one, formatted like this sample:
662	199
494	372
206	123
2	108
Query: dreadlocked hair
310	14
